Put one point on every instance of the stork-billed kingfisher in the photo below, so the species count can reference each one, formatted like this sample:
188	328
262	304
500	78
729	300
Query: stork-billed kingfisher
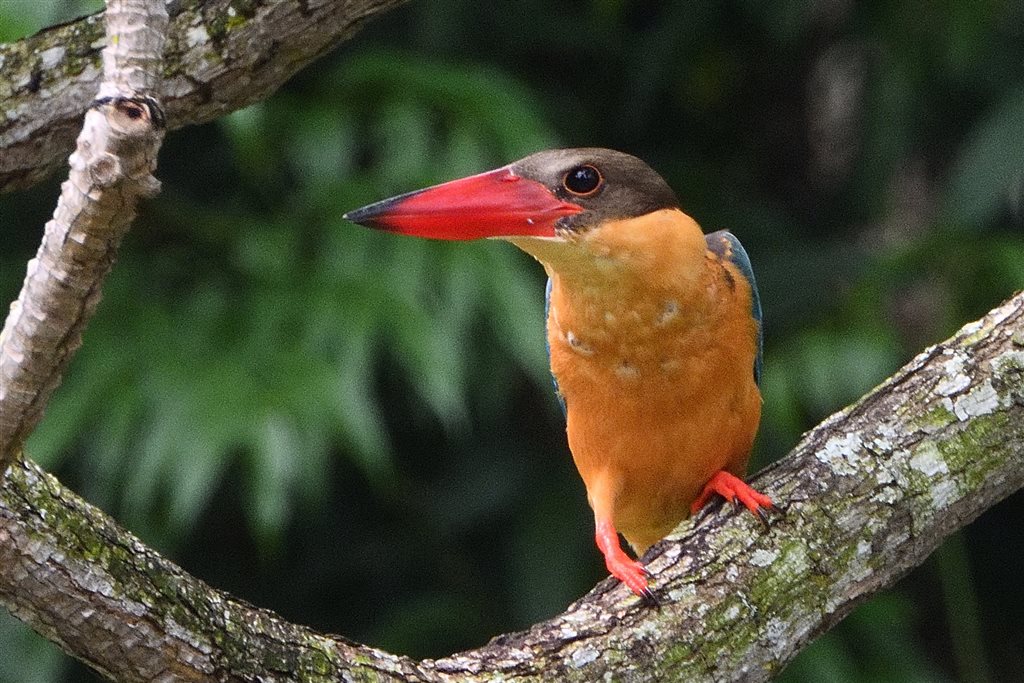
653	331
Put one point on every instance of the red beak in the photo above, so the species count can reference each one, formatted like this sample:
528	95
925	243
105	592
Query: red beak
497	203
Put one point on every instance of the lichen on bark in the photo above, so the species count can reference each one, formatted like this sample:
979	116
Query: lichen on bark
864	497
110	171
221	55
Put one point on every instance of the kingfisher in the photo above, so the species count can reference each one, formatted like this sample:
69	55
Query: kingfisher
653	331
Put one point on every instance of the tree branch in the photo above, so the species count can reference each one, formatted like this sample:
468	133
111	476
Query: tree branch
111	169
867	495
104	597
221	56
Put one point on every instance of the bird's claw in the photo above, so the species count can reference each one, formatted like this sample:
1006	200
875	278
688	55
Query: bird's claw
733	488
648	598
635	575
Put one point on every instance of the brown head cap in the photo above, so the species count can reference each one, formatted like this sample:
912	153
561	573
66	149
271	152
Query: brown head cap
609	185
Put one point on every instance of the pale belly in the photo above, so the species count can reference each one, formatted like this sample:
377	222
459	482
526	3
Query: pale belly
647	437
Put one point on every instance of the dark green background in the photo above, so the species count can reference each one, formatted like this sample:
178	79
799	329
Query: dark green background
358	431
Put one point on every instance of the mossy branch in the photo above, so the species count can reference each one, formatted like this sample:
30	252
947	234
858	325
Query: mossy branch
865	496
221	56
110	171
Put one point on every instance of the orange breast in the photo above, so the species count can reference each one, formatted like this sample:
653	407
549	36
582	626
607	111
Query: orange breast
653	350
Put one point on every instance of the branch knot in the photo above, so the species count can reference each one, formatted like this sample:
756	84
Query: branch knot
130	112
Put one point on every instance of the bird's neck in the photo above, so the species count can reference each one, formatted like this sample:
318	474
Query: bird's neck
663	251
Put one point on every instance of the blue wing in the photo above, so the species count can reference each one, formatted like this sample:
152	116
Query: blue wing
725	245
547	344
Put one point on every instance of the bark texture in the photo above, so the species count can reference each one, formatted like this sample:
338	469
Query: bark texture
865	496
221	55
111	169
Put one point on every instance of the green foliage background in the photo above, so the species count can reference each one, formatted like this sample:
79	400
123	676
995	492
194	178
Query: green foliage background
357	429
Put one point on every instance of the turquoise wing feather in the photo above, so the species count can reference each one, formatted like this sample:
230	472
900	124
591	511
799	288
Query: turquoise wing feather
547	344
726	246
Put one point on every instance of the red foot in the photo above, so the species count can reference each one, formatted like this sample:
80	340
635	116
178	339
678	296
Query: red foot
620	565
733	488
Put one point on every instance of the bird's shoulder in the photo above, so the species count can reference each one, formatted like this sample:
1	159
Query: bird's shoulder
547	345
728	248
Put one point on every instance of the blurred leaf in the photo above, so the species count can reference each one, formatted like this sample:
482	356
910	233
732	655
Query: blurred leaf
266	351
989	169
28	657
961	601
32	16
254	353
504	113
884	627
401	630
831	371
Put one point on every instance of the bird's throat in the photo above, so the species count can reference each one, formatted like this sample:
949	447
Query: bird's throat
661	251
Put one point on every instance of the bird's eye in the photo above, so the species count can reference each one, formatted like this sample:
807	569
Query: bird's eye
583	180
